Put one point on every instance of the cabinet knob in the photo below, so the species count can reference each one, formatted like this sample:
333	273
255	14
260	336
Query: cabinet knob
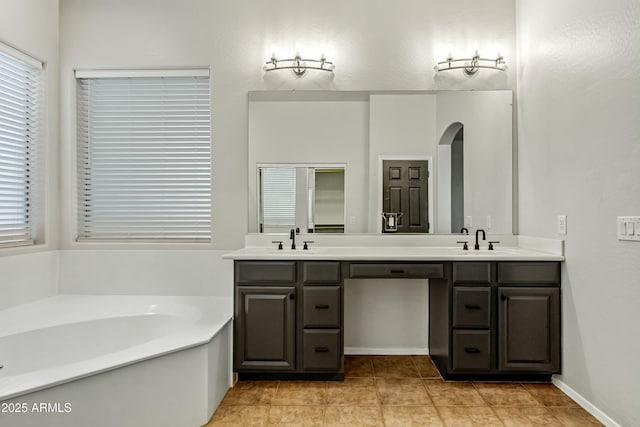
292	296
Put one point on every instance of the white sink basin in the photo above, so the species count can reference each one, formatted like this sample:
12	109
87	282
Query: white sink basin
287	251
486	252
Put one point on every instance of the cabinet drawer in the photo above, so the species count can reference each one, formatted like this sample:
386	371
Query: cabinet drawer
471	307
321	350
321	272
529	272
266	271
472	272
471	350
393	270
321	306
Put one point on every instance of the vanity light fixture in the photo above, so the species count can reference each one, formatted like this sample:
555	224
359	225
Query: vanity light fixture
470	66
299	65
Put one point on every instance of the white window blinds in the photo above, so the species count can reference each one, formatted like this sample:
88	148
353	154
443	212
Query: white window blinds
20	128
278	193
144	156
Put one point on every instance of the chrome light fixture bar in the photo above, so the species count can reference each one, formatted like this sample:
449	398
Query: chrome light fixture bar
299	65
471	66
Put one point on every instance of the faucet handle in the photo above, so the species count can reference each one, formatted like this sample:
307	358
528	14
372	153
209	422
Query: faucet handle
466	245
305	247
279	242
491	244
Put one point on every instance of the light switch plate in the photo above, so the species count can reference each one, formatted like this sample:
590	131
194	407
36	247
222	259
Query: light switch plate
562	224
468	221
628	228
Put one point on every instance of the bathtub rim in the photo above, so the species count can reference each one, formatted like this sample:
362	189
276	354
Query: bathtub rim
193	335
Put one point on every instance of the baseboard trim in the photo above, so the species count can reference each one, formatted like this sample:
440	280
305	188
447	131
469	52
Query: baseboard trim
586	405
385	351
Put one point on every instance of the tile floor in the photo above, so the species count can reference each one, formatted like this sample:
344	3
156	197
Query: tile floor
396	391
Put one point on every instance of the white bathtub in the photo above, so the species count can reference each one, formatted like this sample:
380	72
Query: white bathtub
114	360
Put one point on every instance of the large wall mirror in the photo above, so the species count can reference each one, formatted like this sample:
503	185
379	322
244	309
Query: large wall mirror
433	162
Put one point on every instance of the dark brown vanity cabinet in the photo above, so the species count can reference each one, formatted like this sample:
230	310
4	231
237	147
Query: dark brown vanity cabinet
497	320
529	317
487	320
265	328
288	319
471	317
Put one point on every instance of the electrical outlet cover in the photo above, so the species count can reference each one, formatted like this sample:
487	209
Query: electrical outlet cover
562	224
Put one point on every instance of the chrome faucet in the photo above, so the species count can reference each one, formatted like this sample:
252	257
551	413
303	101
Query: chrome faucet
484	237
292	236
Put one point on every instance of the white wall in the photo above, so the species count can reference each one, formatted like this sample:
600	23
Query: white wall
579	155
146	272
32	27
28	277
235	37
386	316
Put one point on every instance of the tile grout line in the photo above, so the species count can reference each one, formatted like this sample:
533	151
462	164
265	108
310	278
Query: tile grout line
546	407
477	389
426	389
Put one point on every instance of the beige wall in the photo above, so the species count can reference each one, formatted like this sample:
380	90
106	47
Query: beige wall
579	155
235	37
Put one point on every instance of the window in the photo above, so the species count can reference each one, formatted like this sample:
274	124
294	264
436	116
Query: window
144	155
20	108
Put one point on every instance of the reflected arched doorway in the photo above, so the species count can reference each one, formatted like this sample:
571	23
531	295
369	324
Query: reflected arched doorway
451	179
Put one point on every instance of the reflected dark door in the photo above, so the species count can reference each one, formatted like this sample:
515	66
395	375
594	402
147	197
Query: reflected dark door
405	189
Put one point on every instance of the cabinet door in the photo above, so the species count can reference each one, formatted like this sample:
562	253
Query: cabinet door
265	328
529	329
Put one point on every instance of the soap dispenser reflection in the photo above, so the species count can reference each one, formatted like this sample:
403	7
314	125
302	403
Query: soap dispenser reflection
390	221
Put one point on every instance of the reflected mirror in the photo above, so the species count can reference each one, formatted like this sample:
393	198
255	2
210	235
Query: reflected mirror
308	198
461	139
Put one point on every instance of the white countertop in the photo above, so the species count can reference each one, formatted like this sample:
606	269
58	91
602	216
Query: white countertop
392	253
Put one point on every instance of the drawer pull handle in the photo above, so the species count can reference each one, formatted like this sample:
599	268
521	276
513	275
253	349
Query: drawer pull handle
473	350
472	307
322	350
322	306
397	271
